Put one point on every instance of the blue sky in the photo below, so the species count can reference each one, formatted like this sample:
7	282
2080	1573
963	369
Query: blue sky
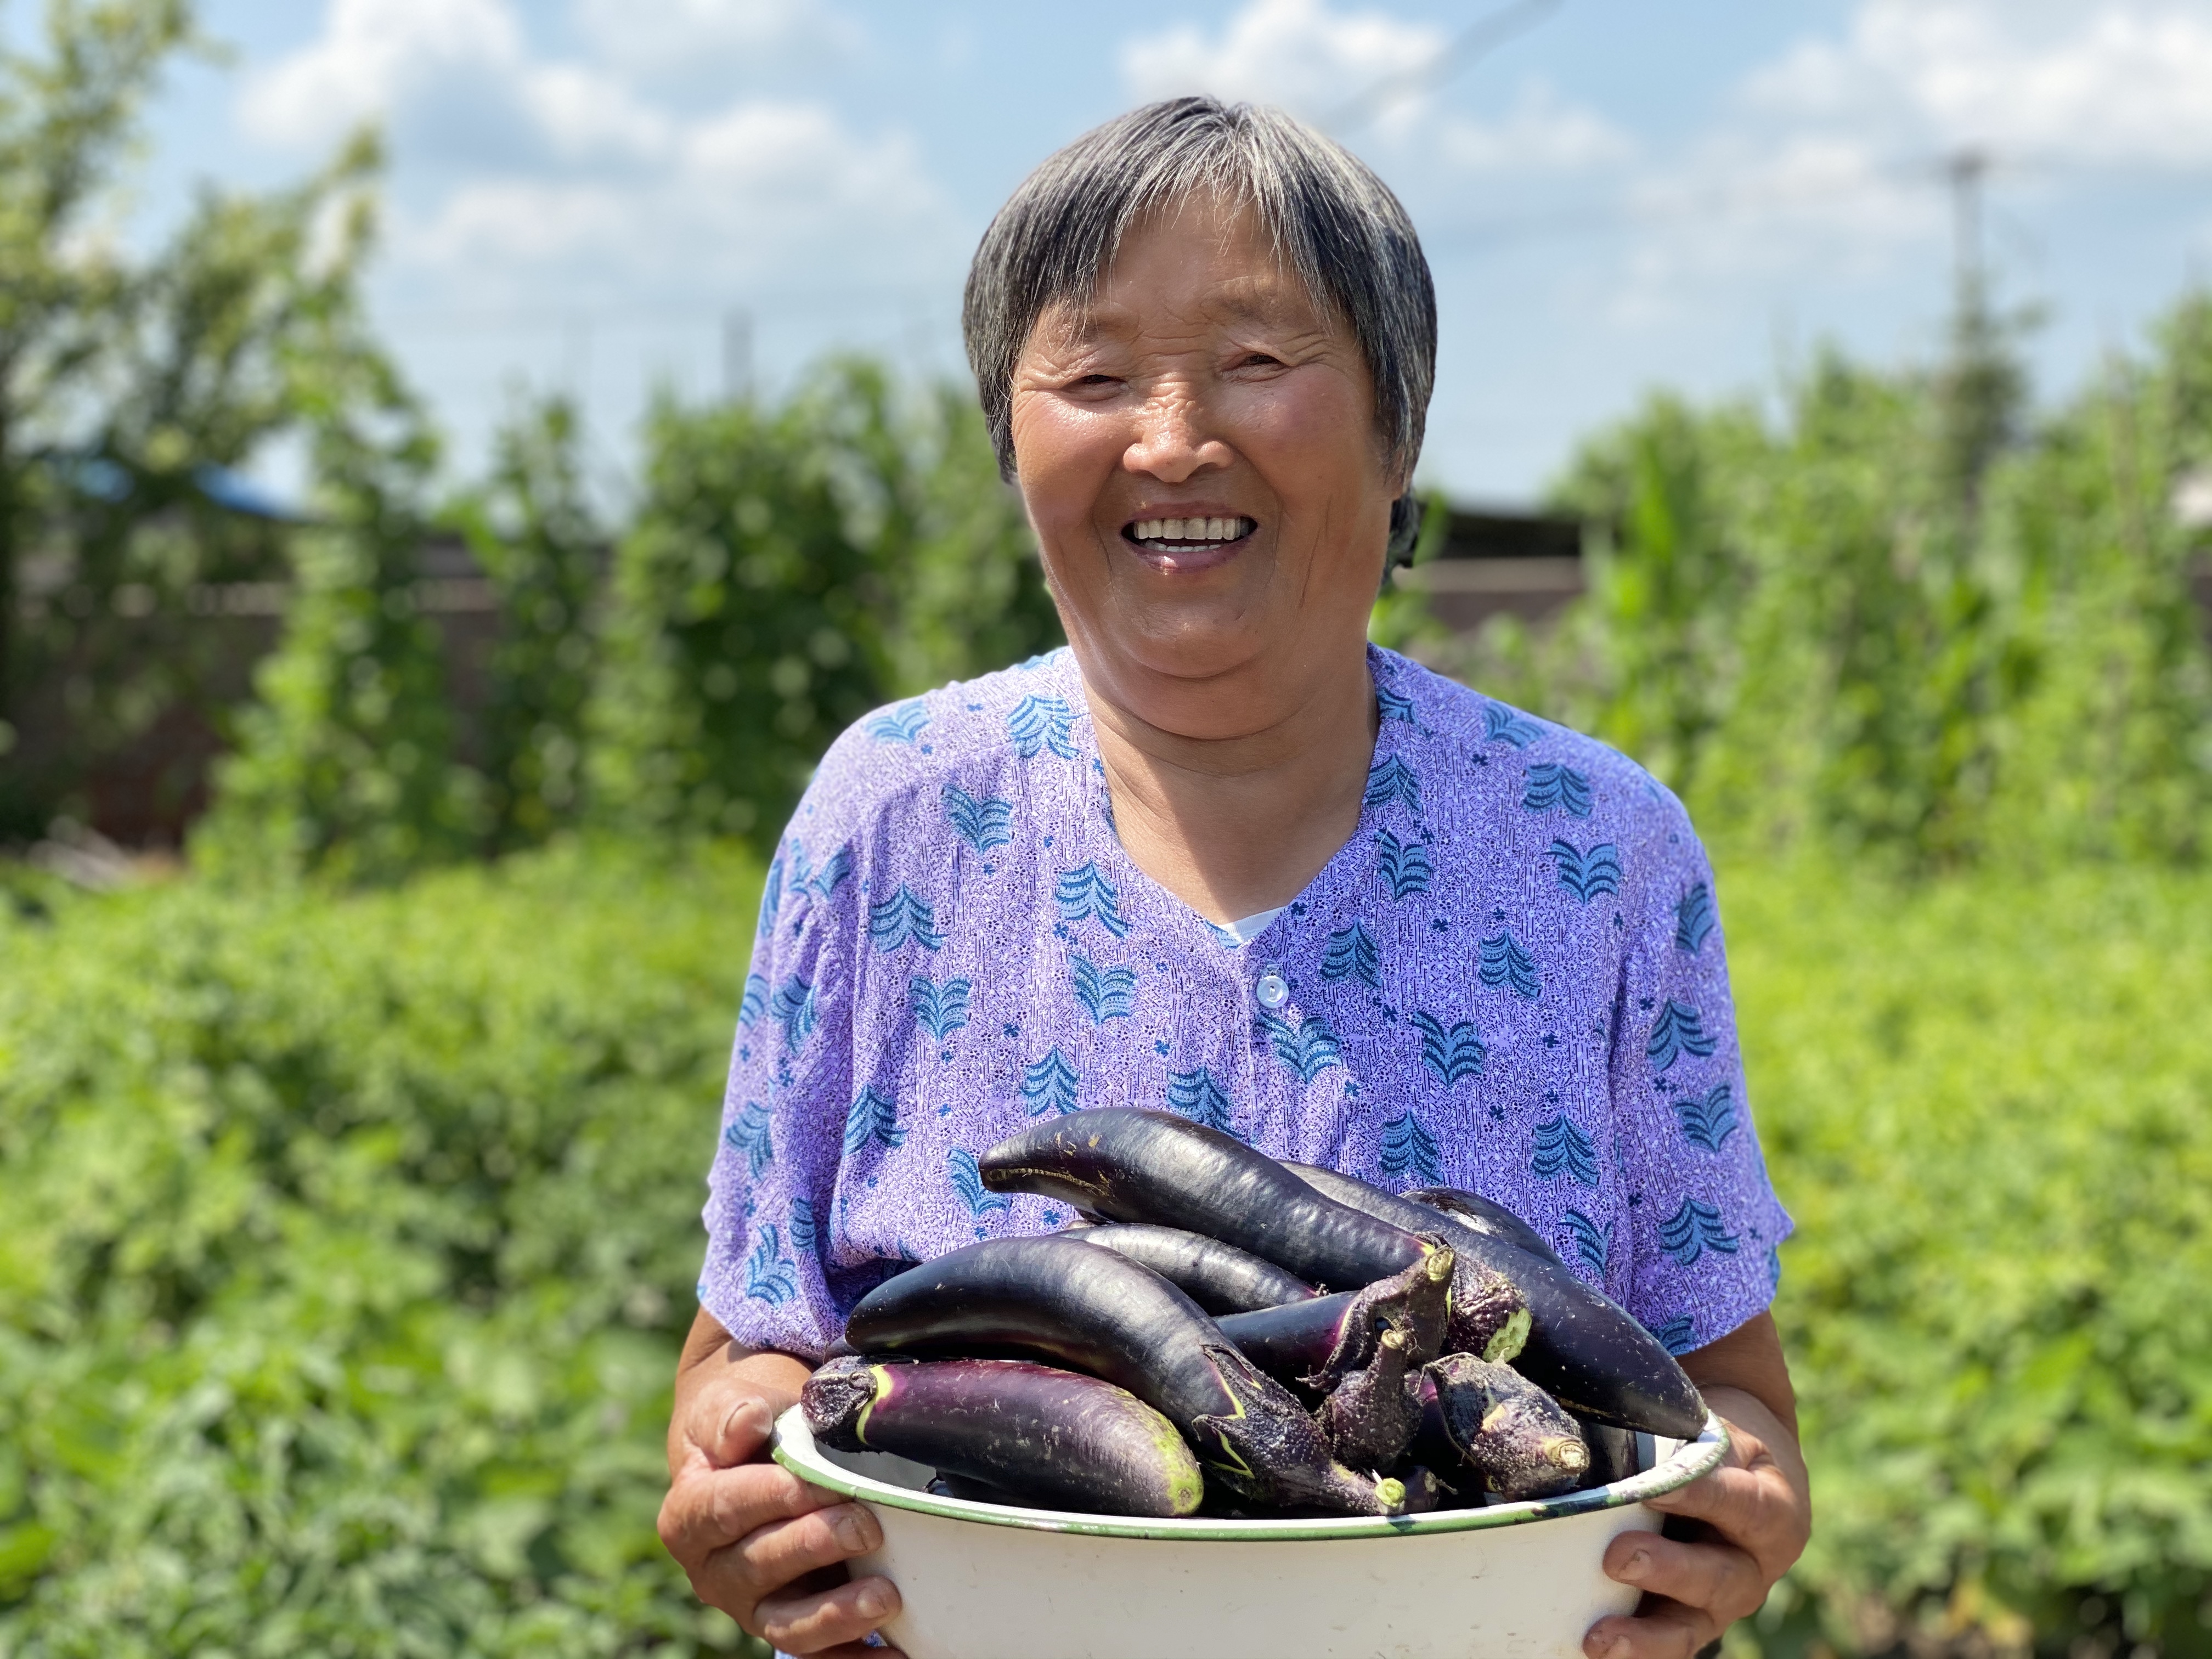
1623	195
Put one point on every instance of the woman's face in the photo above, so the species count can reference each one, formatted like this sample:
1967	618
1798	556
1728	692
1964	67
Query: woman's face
1198	452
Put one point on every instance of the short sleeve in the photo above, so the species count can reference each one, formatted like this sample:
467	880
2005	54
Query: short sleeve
770	1192
1701	1215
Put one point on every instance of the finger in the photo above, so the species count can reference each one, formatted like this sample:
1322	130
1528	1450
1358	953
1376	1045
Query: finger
1757	1510
1719	1579
726	1427
708	1510
826	1618
770	1557
1660	1630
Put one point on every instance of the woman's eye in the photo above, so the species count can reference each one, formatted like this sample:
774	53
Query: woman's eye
1262	360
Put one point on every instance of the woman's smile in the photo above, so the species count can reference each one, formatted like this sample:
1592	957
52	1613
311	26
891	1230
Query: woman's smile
1190	539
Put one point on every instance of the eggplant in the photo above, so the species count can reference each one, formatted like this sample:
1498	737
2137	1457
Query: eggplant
1316	1343
1370	1417
1055	1439
1220	1278
1486	1215
1472	1209
1129	1165
1583	1349
1612	1452
1511	1434
1067	1303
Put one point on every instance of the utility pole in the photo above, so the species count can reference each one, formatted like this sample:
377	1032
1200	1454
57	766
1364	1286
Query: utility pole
736	354
1983	384
1965	169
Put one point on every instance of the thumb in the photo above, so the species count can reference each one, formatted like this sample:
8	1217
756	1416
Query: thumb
732	1431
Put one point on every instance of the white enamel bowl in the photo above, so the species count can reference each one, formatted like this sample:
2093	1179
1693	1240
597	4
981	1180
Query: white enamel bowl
983	1581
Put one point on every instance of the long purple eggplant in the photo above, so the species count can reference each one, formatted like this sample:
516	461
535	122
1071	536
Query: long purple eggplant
1315	1343
1470	1208
1050	1438
1133	1165
1583	1349
1511	1434
1070	1304
1220	1278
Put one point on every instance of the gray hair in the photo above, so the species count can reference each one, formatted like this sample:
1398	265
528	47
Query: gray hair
1332	221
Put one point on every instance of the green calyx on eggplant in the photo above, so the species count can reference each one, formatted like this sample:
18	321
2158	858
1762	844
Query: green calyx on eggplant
1584	1348
1220	1278
1513	1436
1129	1165
1061	1301
1050	1438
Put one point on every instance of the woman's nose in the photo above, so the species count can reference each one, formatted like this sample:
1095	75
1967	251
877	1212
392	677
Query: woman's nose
1173	439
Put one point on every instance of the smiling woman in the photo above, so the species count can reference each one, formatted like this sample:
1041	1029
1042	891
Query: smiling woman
1220	856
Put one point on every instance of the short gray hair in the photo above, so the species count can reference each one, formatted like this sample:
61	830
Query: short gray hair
1334	221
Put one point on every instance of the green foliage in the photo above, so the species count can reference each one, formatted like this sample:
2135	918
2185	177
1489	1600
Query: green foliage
788	569
349	1245
532	530
1983	1100
1881	622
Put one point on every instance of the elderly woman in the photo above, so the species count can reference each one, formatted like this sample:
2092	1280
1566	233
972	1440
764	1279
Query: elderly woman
1220	855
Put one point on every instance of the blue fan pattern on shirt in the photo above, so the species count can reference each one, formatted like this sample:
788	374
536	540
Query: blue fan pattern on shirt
1308	1046
1039	724
1200	1098
1588	874
755	1002
983	824
1553	786
1678	1335
872	1119
1353	953
771	1276
1450	1053
1589	1241
1392	707
1404	867
1051	1085
805	1231
968	1182
792	1006
903	918
752	1135
1679	1031
771	894
939	1009
1105	993
1505	962
1409	1154
1083	895
902	723
1503	725
1695	1229
1707	1119
1563	1148
832	875
1394	780
1693	919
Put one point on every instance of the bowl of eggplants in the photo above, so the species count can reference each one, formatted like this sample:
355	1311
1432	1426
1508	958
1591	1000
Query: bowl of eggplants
1106	1441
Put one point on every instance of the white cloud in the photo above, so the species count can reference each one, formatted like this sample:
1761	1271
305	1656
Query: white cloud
2123	81
1541	133
688	38
370	53
1296	53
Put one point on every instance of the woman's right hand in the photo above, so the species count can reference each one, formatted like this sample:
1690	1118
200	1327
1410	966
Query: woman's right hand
755	1540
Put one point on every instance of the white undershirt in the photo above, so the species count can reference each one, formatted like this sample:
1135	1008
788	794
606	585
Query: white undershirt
1250	928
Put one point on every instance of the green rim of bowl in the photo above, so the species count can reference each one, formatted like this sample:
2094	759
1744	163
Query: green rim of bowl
795	1448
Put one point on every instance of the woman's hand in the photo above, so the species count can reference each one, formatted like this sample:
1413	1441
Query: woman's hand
1751	1515
755	1540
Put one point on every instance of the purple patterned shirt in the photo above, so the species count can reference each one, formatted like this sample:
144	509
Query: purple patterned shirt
1509	979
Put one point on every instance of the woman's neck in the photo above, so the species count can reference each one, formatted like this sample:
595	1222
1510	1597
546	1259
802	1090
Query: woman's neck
1236	825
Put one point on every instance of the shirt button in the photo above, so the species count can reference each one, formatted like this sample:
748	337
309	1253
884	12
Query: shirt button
1273	990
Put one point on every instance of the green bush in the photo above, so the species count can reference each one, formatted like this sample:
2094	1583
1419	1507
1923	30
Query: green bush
350	1242
1985	1102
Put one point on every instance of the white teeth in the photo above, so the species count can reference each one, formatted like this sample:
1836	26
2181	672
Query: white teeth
1217	530
1171	529
1191	530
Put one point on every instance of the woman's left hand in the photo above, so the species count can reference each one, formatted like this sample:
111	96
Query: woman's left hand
1755	1513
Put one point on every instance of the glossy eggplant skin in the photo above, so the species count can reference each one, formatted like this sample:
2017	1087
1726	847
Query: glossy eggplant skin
1134	1165
1079	1306
1050	1438
1220	1278
1584	1348
1470	1209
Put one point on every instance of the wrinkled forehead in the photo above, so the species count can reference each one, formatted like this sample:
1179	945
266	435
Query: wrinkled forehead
1207	259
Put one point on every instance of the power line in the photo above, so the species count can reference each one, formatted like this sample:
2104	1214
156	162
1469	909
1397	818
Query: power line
1472	44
